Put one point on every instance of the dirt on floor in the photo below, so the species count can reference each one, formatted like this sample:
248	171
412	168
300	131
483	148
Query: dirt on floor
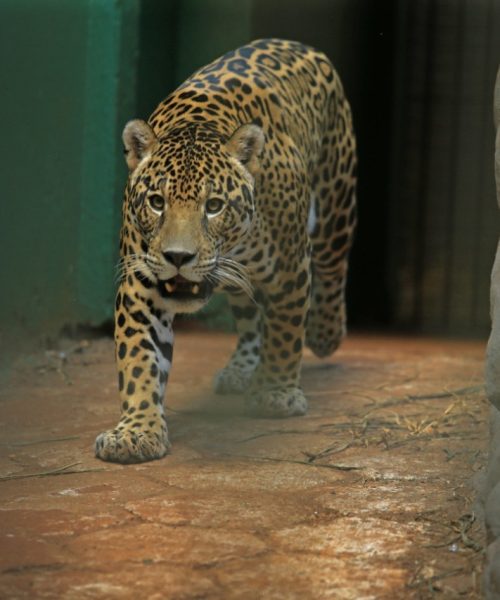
368	496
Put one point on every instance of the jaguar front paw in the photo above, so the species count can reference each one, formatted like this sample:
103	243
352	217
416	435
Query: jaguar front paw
277	402
131	446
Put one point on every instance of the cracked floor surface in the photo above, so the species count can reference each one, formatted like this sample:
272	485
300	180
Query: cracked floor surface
368	496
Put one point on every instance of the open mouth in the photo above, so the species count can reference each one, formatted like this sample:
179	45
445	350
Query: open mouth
179	288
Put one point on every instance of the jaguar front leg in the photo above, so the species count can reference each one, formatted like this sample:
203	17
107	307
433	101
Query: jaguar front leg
144	343
275	389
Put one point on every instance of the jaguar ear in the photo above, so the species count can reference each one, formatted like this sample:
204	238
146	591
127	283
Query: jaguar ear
246	144
139	141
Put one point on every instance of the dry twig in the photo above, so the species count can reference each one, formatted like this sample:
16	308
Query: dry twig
300	462
65	470
336	449
43	441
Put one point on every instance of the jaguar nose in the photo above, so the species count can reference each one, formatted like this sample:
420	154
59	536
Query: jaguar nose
178	259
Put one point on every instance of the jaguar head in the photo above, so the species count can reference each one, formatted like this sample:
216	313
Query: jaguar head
189	205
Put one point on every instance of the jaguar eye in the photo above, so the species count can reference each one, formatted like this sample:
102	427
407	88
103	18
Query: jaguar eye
156	202
213	206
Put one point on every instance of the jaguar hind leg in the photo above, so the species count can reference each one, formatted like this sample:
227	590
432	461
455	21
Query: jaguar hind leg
326	326
332	220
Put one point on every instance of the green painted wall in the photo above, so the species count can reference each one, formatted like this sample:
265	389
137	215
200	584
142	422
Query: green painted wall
42	102
110	80
64	95
73	72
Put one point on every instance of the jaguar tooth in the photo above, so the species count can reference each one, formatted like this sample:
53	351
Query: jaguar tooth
170	287
195	289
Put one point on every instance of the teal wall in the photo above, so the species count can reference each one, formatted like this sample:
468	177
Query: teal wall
65	93
109	84
73	72
42	102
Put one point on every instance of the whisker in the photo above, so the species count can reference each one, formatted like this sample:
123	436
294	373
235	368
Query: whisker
233	274
130	263
235	266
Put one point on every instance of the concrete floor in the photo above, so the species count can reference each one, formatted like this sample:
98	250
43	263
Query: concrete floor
368	496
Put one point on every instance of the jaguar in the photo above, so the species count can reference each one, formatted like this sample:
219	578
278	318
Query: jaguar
242	181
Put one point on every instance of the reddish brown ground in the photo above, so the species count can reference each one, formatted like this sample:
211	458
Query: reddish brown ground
368	496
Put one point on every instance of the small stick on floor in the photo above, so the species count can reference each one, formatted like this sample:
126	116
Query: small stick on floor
43	441
59	471
300	462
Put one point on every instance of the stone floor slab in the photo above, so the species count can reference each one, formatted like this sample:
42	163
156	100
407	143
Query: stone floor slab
368	496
